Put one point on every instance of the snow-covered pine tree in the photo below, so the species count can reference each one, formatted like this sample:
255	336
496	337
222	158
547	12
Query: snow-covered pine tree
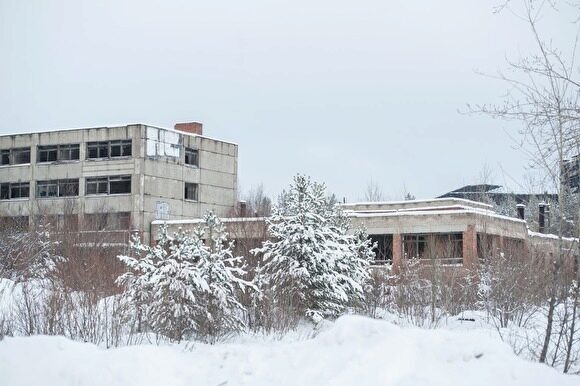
308	262
182	287
224	276
357	263
164	283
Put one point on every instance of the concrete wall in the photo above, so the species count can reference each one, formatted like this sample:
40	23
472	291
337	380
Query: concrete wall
154	179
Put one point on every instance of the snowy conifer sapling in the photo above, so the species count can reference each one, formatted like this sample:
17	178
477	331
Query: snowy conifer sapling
182	287
311	263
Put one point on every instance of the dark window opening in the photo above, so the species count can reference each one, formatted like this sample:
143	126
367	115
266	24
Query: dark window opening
21	156
98	185
383	249
98	150
109	185
69	152
68	188
446	248
4	191
57	188
414	246
121	148
15	156
109	149
47	153
119	184
191	156
47	189
9	191
191	191
5	157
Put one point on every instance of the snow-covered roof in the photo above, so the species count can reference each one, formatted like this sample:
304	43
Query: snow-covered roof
53	130
551	236
199	220
431	211
411	202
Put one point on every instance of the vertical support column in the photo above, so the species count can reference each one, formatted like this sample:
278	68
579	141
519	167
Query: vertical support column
470	247
397	251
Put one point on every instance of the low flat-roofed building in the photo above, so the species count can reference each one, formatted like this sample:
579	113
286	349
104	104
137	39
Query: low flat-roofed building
453	232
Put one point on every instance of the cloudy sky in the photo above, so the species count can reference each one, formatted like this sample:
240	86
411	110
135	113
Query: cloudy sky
345	91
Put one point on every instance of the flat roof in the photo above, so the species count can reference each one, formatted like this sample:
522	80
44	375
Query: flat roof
46	131
413	202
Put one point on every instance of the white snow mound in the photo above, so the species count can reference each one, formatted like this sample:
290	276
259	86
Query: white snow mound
351	351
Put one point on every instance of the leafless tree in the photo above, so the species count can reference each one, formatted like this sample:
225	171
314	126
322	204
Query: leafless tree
544	91
258	204
373	192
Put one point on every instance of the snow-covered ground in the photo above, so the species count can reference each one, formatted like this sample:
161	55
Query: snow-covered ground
351	351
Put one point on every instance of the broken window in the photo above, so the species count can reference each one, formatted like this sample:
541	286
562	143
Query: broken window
4	191
5	157
109	185
57	188
52	153
383	249
191	191
191	156
119	184
47	153
69	152
47	189
120	148
15	156
97	150
97	185
68	188
447	248
109	149
21	156
414	246
14	190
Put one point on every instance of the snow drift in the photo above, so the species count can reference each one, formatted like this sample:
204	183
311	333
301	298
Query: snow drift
353	350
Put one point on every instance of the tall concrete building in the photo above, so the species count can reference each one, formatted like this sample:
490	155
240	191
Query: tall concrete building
115	178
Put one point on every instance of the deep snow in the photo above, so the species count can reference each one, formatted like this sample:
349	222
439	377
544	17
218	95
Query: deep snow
351	351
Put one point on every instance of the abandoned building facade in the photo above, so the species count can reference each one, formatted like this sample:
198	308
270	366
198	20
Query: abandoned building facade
453	232
136	178
115	179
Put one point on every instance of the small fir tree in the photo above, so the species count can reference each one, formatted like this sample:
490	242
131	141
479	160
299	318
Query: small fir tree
310	264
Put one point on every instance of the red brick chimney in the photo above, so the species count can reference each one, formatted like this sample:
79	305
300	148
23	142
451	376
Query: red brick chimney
190	127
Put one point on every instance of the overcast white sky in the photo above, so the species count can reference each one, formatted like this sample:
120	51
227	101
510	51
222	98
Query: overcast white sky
344	91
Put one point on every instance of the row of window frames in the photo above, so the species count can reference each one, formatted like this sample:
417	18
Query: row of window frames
67	187
107	149
415	245
51	153
70	188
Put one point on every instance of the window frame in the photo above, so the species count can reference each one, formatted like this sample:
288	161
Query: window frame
11	154
60	187
426	244
7	189
125	148
191	153
195	190
42	149
99	181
